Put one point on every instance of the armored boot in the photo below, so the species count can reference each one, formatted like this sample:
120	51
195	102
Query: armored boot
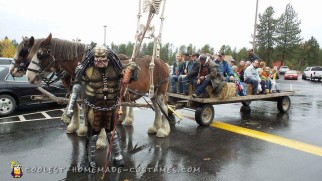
118	158
89	160
91	151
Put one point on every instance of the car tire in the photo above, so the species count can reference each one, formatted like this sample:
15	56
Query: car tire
7	105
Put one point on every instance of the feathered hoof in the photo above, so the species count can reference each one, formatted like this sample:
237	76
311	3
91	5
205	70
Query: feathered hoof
161	134
82	131
101	144
127	122
71	129
152	130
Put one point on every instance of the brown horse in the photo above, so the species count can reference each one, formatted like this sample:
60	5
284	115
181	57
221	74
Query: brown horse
22	59
20	63
58	52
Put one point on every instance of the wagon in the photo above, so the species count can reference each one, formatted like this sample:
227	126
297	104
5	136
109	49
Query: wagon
204	110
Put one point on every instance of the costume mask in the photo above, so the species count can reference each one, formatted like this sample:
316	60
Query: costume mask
100	59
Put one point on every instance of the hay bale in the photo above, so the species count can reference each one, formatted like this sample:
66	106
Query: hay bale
209	91
191	88
249	89
228	90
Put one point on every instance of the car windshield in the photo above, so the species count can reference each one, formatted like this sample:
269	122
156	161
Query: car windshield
24	78
5	61
291	72
20	79
317	69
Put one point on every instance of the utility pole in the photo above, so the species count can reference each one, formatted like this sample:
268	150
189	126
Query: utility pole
254	35
105	35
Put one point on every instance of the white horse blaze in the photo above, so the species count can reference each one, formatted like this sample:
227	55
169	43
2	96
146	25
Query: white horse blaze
30	74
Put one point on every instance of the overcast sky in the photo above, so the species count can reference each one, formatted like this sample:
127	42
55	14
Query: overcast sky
200	22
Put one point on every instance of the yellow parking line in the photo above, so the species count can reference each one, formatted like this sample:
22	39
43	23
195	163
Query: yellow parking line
270	138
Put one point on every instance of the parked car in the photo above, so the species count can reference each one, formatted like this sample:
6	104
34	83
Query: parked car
283	69
312	73
16	91
5	61
291	75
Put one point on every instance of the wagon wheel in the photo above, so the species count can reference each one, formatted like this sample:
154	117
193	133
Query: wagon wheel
204	114
245	109
246	103
284	104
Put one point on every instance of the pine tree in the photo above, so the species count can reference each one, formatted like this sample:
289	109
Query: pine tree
266	35
311	52
288	33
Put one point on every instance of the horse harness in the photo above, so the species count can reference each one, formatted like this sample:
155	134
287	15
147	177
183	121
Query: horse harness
42	56
24	63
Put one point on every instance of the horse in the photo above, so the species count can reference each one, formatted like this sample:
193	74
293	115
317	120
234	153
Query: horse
19	66
20	63
53	51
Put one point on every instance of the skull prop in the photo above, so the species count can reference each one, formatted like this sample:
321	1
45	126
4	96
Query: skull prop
100	59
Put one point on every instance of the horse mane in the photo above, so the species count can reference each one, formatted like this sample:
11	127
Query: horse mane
35	48
66	50
60	49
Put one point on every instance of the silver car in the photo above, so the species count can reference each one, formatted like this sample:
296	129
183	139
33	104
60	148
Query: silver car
283	69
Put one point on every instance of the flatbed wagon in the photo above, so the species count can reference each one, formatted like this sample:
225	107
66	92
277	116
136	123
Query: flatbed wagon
204	110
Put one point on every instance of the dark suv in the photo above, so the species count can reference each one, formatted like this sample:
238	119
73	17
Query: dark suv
17	91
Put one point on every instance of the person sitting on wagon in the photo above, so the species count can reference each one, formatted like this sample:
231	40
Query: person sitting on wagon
224	68
240	86
240	70
251	76
261	81
266	76
207	74
192	73
178	70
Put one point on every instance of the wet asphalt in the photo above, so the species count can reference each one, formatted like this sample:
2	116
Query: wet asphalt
190	152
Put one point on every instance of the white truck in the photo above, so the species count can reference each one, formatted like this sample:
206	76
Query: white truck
312	73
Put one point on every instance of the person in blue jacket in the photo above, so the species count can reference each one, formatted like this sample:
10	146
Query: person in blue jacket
224	68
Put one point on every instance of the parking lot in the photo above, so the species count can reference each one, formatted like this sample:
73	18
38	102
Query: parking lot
261	145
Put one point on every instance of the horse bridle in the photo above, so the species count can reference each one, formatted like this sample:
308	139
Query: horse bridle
42	56
24	63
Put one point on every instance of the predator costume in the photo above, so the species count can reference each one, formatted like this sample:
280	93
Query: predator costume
99	77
